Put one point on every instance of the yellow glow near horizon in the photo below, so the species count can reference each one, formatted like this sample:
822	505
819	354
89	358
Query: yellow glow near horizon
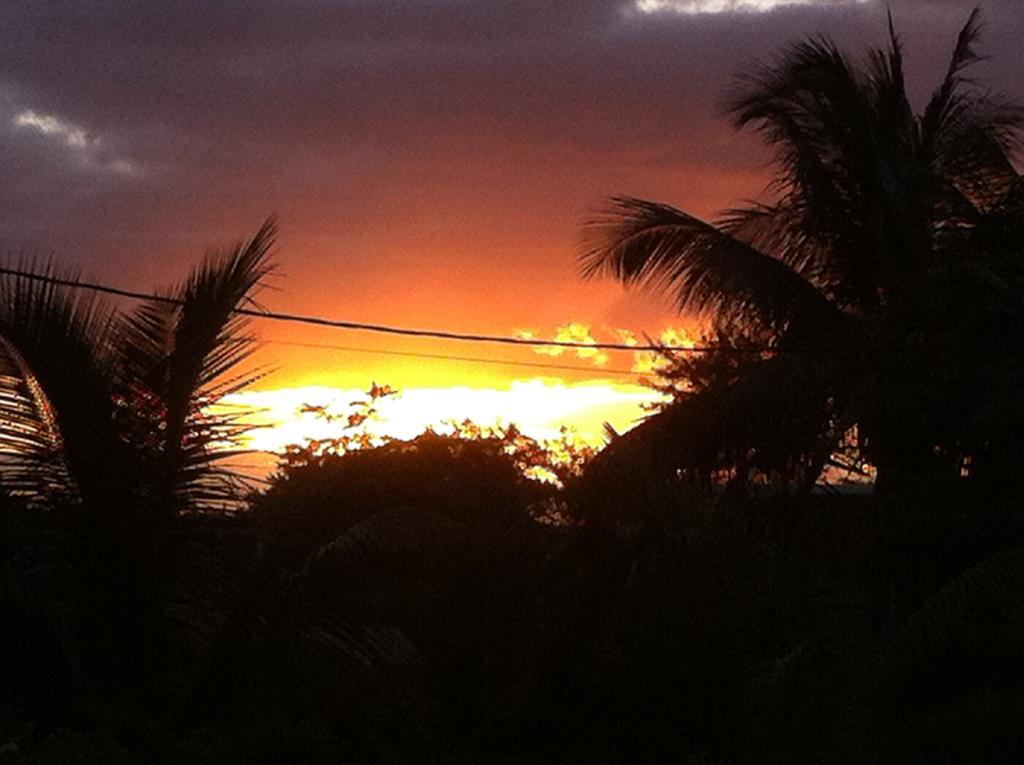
539	407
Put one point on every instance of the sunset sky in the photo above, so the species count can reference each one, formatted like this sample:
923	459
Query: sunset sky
431	162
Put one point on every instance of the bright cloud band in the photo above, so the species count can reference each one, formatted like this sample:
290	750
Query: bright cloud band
538	407
702	7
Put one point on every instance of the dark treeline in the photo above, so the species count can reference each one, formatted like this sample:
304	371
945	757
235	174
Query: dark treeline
692	592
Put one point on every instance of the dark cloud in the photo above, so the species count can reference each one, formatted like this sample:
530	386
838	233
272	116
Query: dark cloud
410	146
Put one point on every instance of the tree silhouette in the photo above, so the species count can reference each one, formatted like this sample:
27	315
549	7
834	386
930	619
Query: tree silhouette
885	226
111	408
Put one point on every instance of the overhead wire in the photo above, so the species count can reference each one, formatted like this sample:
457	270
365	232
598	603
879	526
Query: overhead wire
403	331
450	357
388	329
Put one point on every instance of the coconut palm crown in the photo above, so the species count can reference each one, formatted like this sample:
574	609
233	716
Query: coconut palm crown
879	277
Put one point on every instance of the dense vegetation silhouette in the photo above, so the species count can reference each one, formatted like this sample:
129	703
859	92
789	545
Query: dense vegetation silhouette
686	594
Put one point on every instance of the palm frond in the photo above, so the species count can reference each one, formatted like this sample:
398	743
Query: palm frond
841	138
179	356
31	459
968	135
974	144
778	230
944	101
609	432
888	94
59	344
655	245
811	107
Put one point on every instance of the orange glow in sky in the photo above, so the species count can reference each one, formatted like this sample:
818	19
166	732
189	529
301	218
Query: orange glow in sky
592	387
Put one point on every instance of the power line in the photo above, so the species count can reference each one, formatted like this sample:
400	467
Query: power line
472	337
382	328
446	357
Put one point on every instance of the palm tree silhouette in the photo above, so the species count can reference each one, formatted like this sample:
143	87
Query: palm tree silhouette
111	409
884	222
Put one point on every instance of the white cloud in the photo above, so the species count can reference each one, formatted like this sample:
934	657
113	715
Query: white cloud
71	135
85	148
575	332
701	7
